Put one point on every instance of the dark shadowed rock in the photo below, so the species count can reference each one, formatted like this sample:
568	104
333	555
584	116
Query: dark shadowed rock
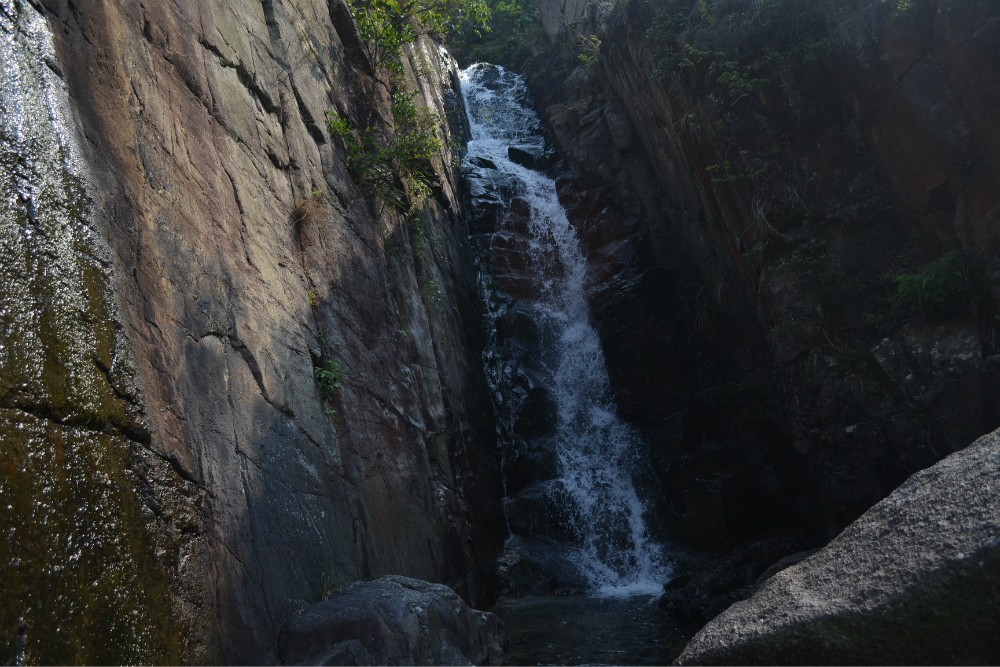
540	511
704	586
533	157
393	621
538	567
915	580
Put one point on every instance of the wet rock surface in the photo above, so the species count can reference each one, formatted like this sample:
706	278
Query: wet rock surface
915	580
393	621
538	567
231	255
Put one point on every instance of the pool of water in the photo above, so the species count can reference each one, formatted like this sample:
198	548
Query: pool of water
583	629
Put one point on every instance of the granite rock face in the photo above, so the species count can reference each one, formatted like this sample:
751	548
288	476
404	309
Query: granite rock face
233	256
780	394
915	580
393	621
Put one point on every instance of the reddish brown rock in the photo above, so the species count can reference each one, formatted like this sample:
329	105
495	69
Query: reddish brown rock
206	130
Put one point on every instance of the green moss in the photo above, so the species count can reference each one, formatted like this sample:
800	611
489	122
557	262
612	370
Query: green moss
79	582
57	336
79	578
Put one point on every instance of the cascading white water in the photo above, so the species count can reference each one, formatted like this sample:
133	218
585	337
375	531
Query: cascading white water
597	452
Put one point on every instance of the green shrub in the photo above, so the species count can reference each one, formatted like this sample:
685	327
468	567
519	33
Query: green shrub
820	275
330	376
385	26
515	26
943	287
377	161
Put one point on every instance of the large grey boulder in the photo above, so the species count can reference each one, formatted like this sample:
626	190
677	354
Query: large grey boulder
393	621
915	580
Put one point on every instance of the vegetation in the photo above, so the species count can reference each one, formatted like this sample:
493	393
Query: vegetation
330	376
820	275
515	27
380	164
309	210
944	287
392	161
385	26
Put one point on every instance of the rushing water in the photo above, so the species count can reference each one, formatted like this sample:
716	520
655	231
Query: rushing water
597	452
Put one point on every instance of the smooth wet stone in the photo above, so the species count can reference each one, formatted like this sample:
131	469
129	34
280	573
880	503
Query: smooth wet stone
533	157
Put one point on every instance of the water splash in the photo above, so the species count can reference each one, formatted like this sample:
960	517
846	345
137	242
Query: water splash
597	452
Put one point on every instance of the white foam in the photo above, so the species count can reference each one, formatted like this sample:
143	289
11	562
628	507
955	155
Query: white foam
597	451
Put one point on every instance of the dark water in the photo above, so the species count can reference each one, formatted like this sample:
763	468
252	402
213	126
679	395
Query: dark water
582	629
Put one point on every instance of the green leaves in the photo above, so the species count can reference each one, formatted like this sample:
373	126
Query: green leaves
506	38
942	287
385	26
330	376
377	162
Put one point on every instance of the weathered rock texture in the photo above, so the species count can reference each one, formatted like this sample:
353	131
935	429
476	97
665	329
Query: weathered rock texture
393	621
915	580
750	341
744	336
242	493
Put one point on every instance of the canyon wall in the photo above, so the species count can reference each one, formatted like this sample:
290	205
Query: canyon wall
752	318
185	249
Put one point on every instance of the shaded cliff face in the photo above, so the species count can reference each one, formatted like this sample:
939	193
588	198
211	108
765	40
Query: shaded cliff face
747	250
200	252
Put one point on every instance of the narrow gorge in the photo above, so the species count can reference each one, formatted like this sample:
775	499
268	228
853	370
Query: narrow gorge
352	332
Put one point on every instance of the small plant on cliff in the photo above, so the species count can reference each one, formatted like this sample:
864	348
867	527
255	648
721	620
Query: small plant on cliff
946	286
820	274
330	376
589	47
380	164
309	209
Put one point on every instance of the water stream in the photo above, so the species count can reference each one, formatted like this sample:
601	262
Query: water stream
552	394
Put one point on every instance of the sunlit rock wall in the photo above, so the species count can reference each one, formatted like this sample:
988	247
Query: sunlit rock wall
176	487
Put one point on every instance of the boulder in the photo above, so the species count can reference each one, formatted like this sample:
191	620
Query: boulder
915	580
534	157
538	567
393	621
703	586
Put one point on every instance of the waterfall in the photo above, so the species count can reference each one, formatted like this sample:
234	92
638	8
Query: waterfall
596	451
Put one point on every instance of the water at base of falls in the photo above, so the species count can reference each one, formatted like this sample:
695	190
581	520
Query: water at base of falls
535	272
582	630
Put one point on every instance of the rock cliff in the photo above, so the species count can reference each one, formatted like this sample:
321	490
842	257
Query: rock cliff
751	243
183	249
